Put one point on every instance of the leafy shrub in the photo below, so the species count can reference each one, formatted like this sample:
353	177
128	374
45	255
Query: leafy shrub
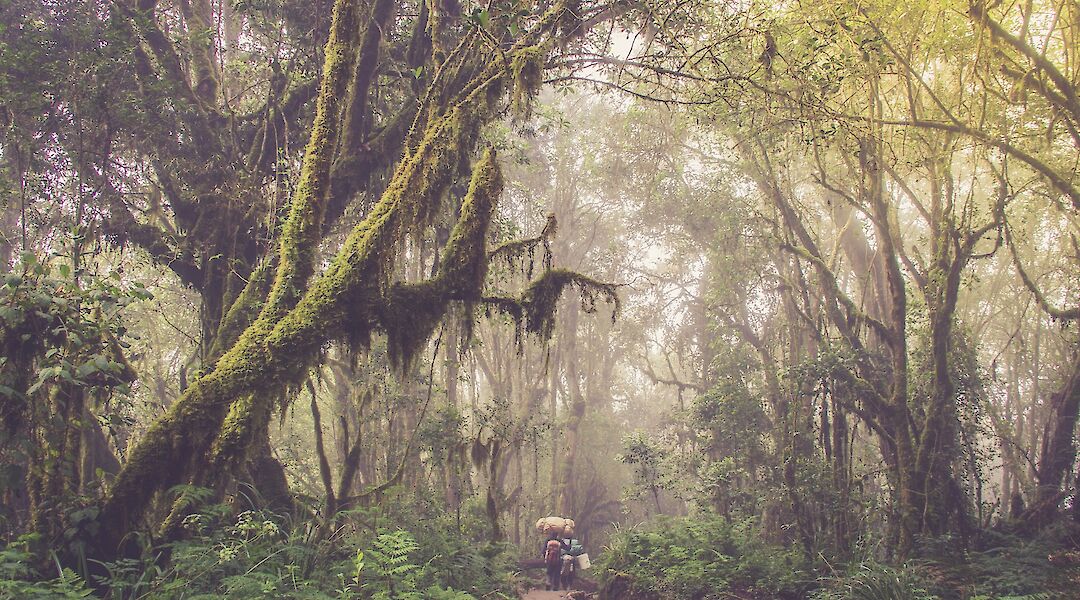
873	581
456	553
255	554
701	558
1004	565
991	565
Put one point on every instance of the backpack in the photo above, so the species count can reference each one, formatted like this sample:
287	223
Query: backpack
552	552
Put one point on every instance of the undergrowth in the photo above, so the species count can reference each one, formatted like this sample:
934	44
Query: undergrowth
704	558
700	559
18	579
376	554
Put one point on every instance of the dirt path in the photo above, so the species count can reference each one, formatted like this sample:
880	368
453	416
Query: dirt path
542	595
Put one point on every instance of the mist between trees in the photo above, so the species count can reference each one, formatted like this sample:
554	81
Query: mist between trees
337	298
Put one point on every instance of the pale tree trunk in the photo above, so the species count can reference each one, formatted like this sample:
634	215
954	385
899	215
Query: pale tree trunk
565	496
556	438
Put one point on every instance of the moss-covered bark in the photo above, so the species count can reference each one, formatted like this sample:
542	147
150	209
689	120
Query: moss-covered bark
302	230
212	426
176	444
411	312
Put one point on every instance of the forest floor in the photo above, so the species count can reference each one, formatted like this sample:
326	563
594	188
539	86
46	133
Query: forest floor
582	585
538	594
580	590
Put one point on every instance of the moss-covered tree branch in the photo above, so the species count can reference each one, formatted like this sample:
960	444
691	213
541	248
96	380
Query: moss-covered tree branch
212	425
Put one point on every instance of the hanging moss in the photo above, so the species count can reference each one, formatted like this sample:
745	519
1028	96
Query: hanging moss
542	296
527	70
523	251
535	310
410	316
411	312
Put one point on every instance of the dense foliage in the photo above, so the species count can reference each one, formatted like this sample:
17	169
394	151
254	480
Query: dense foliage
709	557
256	554
337	298
700	558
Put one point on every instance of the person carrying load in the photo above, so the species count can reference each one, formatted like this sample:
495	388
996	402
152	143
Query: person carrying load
554	529
573	550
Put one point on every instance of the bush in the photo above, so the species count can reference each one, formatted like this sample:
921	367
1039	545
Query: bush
255	554
1004	565
873	581
701	559
991	565
19	580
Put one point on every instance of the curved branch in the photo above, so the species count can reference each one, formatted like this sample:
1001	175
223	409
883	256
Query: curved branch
1064	314
1069	100
534	310
625	90
1055	179
509	251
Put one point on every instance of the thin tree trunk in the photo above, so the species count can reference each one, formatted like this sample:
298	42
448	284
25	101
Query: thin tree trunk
1058	449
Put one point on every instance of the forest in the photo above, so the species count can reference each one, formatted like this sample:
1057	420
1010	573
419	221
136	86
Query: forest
362	299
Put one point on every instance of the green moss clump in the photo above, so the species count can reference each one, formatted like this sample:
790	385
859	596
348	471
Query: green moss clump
541	298
410	316
302	230
244	309
527	70
464	263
